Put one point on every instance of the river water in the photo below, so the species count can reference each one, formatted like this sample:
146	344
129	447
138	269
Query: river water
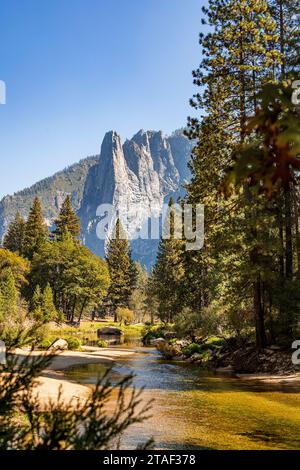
193	409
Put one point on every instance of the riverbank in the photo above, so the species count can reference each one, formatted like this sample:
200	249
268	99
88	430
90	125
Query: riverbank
220	355
52	379
215	410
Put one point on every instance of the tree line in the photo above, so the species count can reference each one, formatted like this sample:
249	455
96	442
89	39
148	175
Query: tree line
245	170
54	277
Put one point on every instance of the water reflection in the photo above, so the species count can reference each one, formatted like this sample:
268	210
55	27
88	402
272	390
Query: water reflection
126	341
197	409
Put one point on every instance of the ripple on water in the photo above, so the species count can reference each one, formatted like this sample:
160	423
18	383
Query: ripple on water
194	409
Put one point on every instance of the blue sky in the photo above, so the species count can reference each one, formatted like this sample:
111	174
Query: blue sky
75	69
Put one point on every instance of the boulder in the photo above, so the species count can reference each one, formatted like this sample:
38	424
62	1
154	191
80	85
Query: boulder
59	345
182	343
170	335
2	353
109	331
156	341
196	358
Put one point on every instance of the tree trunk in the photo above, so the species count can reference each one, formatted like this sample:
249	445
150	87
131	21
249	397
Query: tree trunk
288	235
296	212
82	310
261	340
281	238
73	310
282	38
259	316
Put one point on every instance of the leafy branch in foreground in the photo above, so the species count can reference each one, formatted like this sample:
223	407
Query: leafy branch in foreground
270	161
81	424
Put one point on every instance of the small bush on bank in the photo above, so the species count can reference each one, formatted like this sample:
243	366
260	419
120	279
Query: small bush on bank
169	351
192	349
173	341
212	343
191	324
102	343
125	315
44	344
153	332
73	343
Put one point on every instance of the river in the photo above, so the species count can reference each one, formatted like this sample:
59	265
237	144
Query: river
194	409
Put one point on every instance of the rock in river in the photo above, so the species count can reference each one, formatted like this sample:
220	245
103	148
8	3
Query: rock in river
109	330
59	345
155	341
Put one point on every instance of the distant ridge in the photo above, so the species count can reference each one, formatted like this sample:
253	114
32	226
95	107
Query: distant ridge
148	169
51	190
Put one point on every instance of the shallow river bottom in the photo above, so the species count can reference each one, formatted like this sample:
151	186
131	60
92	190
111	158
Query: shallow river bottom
194	409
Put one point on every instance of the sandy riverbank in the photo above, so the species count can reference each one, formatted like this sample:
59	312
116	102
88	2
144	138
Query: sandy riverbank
293	379
52	378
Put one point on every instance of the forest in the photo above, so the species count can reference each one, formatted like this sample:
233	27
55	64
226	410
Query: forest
241	290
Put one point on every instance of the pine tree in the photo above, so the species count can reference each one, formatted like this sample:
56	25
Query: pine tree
14	238
152	301
36	303
139	295
168	273
67	221
49	312
9	295
36	231
120	268
286	14
240	54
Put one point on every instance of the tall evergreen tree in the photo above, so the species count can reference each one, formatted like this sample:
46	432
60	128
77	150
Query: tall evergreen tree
168	272
240	54
14	238
286	14
8	296
36	231
49	312
68	221
138	299
120	269
36	303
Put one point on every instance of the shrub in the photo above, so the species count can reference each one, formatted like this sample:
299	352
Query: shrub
211	344
152	332
192	324
41	333
214	342
73	343
173	341
45	344
125	315
192	349
21	329
102	344
169	351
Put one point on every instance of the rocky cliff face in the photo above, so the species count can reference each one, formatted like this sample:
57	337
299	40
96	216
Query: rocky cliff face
136	178
142	174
